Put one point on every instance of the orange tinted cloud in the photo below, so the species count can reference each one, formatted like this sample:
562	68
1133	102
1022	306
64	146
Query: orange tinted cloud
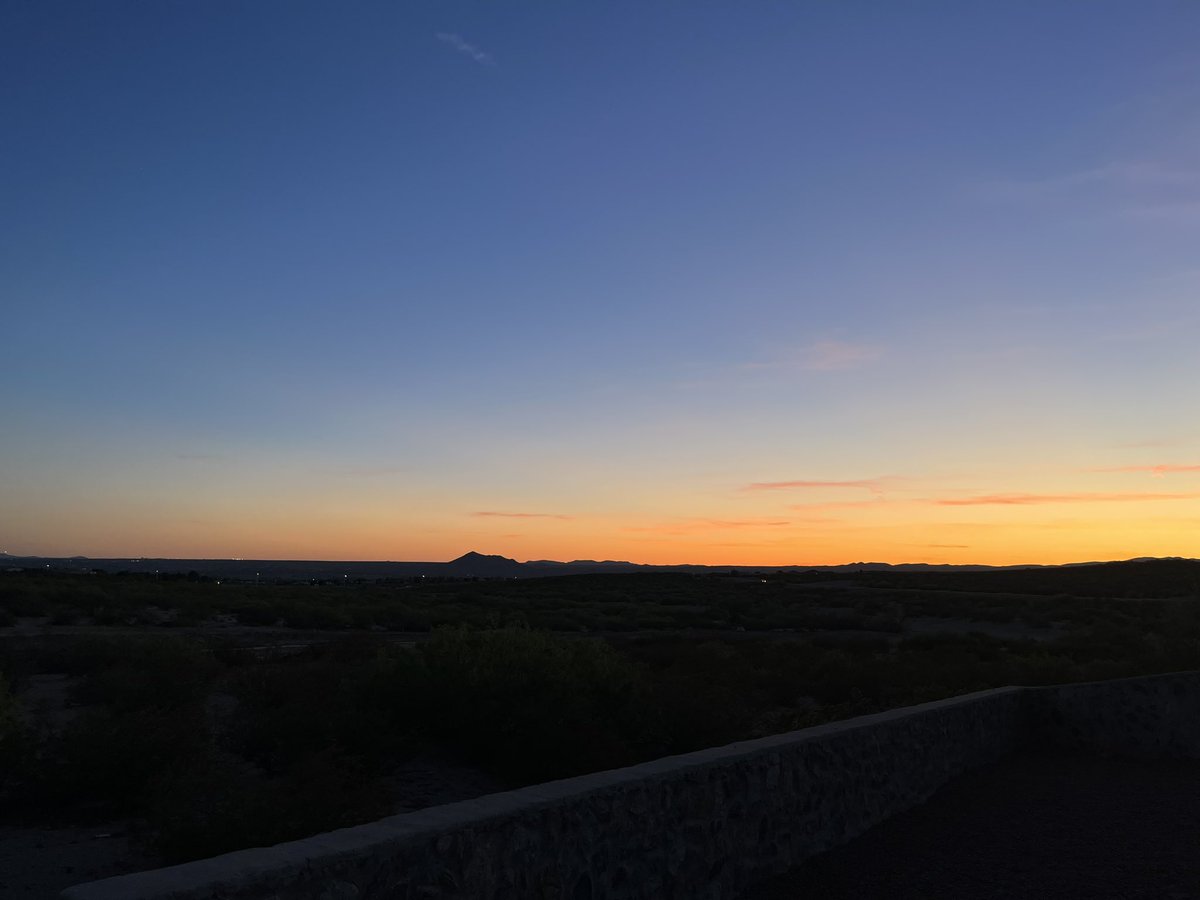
875	485
693	526
519	515
1155	442
876	503
833	356
1158	471
1033	499
823	356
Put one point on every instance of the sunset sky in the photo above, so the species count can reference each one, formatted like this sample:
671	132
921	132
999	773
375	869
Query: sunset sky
729	283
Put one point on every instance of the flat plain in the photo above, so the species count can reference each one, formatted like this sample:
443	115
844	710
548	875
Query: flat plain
182	717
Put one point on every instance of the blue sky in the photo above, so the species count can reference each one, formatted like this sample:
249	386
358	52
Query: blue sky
301	279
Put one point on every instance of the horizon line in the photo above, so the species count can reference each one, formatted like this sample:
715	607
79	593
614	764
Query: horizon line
532	561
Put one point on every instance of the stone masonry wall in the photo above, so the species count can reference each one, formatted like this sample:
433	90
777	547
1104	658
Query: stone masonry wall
701	826
1152	717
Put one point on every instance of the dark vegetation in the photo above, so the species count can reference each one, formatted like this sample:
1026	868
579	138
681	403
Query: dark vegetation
199	710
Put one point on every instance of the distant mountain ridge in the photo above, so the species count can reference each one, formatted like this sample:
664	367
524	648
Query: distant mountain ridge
470	565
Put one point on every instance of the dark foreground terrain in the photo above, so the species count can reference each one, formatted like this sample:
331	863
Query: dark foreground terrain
1031	827
184	717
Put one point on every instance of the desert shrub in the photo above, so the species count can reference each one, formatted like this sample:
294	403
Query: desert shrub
10	721
359	697
18	750
396	617
107	760
8	708
312	739
75	595
528	706
143	711
315	616
699	694
61	614
144	673
259	614
19	600
219	803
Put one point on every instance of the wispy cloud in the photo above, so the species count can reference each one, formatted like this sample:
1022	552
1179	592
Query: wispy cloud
788	543
947	546
465	47
199	457
699	525
835	356
1138	175
1148	191
1035	499
1150	443
372	471
823	356
1157	470
874	485
875	503
820	356
519	515
1176	212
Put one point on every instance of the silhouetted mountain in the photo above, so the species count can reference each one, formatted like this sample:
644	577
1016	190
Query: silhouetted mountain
480	565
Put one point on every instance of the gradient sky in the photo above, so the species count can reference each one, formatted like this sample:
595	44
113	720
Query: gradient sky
730	283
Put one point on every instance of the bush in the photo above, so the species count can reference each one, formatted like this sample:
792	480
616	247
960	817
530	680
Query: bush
18	749
23	601
258	615
109	760
532	707
219	803
358	696
9	721
144	673
315	616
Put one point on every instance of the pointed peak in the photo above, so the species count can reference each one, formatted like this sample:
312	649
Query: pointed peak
473	556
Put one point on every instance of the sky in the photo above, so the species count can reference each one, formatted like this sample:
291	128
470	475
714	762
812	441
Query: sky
752	283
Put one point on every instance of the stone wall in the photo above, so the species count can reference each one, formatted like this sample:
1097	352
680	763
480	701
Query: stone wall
700	826
1154	717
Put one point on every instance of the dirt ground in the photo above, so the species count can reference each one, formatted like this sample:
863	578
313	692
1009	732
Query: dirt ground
1033	827
37	863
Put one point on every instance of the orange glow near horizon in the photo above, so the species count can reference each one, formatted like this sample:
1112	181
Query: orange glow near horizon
412	298
1002	529
1050	514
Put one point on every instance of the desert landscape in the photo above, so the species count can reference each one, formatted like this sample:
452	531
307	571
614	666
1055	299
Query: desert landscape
154	718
